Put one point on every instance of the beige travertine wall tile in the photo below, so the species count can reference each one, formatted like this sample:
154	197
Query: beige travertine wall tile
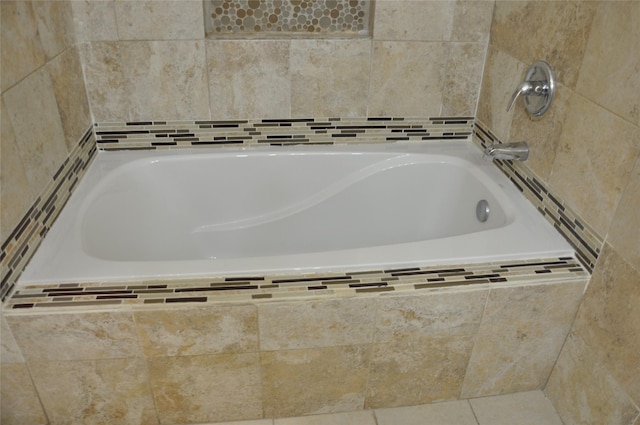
624	234
593	163
407	78
423	345
75	336
557	33
521	334
329	78
285	326
159	20
608	319
212	330
33	112
113	391
414	20
94	20
206	388
462	78
55	25
609	72
249	78
9	350
472	20
68	84
22	51
583	392
20	403
314	381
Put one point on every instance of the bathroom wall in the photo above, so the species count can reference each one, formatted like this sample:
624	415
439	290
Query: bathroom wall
587	149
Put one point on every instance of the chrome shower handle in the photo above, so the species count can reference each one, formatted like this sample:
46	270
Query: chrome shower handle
524	88
538	89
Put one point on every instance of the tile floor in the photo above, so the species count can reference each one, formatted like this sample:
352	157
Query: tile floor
528	408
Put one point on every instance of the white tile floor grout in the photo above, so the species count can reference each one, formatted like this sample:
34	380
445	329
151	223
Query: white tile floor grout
527	408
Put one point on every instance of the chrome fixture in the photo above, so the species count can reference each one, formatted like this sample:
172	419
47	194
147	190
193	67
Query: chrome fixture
537	89
517	151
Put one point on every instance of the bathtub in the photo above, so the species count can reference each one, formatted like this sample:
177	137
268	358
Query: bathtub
213	212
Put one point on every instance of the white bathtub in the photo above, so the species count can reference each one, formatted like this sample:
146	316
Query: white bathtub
188	213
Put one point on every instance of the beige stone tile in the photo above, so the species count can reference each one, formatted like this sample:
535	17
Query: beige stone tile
348	418
414	20
624	234
256	422
527	408
462	79
584	392
10	352
593	163
95	20
314	381
159	20
114	391
407	78
35	120
165	79
249	79
608	319
449	413
329	77
609	72
557	33
326	323
193	331
68	84
423	345
22	52
472	21
55	25
209	388
20	403
75	336
521	334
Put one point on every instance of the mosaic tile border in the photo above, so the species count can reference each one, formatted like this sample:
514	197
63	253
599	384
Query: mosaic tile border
272	132
575	230
292	286
21	244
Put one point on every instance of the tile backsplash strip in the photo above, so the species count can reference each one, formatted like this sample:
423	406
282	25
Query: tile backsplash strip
575	230
26	237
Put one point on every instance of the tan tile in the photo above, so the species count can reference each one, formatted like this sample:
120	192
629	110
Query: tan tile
347	418
20	403
256	422
449	413
528	408
521	334
423	345
557	33
325	323
75	336
249	78
593	163
462	79
22	52
329	77
624	234
95	391
314	381
407	78
472	21
94	20
414	20
55	25
607	320
583	392
159	20
211	330
206	388
609	72
10	352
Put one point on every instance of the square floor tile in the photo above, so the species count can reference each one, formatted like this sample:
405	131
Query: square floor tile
449	413
528	408
361	417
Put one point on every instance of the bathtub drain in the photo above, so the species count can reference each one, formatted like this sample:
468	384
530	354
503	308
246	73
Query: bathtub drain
482	210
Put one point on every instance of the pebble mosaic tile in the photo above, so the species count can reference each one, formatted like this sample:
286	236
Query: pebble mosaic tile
286	17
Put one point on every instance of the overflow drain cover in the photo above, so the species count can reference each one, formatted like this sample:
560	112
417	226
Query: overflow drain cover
482	210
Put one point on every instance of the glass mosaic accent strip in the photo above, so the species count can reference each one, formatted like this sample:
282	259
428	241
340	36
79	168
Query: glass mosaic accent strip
287	287
17	250
575	230
302	131
288	17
